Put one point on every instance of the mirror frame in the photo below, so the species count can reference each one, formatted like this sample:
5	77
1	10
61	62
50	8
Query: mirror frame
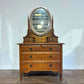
47	30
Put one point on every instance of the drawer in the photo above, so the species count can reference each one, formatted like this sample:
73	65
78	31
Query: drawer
41	66
32	48
51	48
41	57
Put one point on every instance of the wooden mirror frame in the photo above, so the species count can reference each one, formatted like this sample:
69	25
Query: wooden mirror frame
50	23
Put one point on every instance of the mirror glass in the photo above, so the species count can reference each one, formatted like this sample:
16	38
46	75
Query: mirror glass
40	21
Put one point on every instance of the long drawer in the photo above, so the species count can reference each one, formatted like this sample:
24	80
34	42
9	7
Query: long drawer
41	66
37	57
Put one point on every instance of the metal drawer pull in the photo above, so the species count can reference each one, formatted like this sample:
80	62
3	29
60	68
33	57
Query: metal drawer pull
50	65
30	56
50	56
50	48
31	49
30	65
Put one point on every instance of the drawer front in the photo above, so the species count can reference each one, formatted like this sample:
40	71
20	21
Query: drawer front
39	57
51	48
32	48
41	66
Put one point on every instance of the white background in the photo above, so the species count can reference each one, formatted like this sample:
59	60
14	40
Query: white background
68	26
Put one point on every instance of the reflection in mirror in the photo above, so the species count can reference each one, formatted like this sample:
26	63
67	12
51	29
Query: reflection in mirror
40	20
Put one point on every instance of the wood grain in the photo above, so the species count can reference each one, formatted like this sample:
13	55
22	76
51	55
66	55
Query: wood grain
40	53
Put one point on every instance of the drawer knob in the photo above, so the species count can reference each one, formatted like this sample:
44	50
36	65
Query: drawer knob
50	65
31	49
50	48
50	56
30	65
30	56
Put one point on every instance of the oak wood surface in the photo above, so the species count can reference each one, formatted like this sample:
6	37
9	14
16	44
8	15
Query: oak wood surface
40	58
41	66
37	57
40	53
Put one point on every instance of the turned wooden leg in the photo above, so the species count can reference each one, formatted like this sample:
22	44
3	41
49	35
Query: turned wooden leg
20	76
60	76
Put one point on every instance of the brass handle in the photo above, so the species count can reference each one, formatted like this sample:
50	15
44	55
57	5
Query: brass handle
50	56
30	56
50	65
30	65
50	48
31	49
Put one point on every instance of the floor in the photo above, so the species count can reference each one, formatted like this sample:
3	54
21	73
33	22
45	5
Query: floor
69	77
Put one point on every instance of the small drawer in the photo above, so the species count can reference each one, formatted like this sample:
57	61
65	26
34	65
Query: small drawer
51	48
31	57
32	48
41	66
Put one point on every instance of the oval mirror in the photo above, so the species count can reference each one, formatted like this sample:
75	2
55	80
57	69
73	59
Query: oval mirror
40	21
